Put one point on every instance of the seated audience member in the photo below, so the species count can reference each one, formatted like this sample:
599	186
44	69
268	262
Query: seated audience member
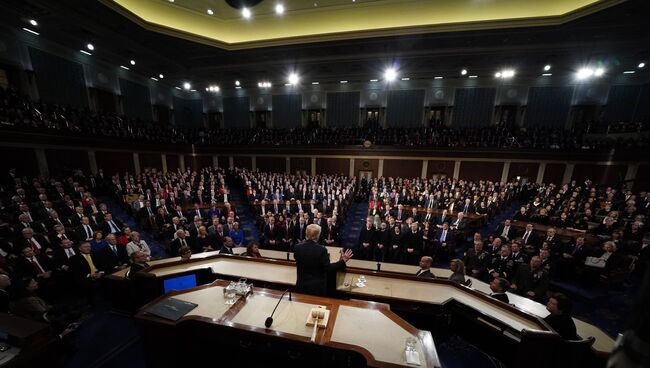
499	286
138	262
227	246
125	237
252	250
185	253
530	240
237	235
137	244
204	241
502	265
505	231
27	303
98	242
572	256
30	265
457	268
477	261
37	242
112	257
531	280
5	284
180	240
425	268
522	215
560	318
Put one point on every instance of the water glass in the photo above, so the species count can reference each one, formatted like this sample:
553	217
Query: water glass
410	343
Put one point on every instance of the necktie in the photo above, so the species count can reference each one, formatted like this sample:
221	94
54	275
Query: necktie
35	247
114	228
69	252
505	231
183	244
91	265
149	210
37	266
114	249
444	235
89	233
526	236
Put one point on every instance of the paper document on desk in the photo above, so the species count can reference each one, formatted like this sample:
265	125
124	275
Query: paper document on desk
171	309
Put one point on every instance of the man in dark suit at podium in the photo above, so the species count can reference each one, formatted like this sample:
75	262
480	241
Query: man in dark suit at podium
313	263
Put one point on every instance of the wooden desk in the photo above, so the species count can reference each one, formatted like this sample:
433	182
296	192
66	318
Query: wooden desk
265	271
344	333
564	234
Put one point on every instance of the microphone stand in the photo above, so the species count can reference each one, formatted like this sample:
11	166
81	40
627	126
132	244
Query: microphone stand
269	320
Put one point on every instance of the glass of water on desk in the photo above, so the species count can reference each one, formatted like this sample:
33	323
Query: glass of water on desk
231	292
410	343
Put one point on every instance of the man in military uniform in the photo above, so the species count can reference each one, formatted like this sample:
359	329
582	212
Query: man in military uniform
477	260
517	254
502	265
531	280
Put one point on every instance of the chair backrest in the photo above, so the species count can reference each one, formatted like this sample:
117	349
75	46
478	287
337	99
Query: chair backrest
577	353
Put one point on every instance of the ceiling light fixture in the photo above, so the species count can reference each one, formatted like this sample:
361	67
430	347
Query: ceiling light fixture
154	79
547	67
85	52
293	78
437	77
246	13
547	74
406	79
629	72
210	12
132	62
473	76
33	22
279	9
90	46
641	65
30	31
374	80
187	85
124	67
237	83
315	83
343	82
497	75
161	76
584	73
463	72
599	72
390	74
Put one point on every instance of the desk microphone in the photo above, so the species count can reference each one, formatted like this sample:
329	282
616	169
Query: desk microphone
269	319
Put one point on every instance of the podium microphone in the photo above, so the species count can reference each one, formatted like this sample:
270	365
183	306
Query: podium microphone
269	319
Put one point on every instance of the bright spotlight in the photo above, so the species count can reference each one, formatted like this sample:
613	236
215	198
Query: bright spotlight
641	65
90	47
509	73
33	22
132	62
187	86
390	74
293	78
585	73
463	72
246	13
210	12
497	75
237	83
599	72
161	76
547	67
279	9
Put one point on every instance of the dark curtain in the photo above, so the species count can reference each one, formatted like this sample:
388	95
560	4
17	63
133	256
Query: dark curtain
473	107
548	106
343	109
59	81
104	100
236	112
405	108
286	110
188	113
642	113
136	100
620	103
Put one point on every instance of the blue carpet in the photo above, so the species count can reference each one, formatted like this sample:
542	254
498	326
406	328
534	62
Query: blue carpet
246	216
355	220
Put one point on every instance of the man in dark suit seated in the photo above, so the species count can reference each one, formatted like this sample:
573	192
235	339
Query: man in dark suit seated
530	240
37	242
531	280
54	220
499	286
477	261
330	234
85	231
112	257
227	246
560	318
505	231
443	241
313	263
444	218
138	263
30	265
425	268
111	225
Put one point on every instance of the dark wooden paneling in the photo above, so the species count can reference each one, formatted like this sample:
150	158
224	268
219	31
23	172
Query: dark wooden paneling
21	159
439	167
642	181
150	160
243	162
198	162
402	168
59	161
271	164
366	165
476	170
224	162
172	162
303	164
113	162
523	169
554	173
332	166
599	174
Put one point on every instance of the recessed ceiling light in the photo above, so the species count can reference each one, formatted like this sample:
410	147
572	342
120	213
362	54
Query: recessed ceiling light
237	83
161	76
279	9
508	73
641	65
171	1
237	87
187	85
210	12
547	74
90	46
315	83
437	77
154	79
473	76
30	31
390	74
293	78
246	13
33	22
374	80
192	90
584	73
178	88
463	72
497	75
85	52
124	67
599	72
343	82
547	67
132	62
406	79
629	72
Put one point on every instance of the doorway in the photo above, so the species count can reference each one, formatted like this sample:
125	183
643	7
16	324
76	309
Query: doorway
365	174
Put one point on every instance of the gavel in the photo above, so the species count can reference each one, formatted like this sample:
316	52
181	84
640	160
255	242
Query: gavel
317	315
